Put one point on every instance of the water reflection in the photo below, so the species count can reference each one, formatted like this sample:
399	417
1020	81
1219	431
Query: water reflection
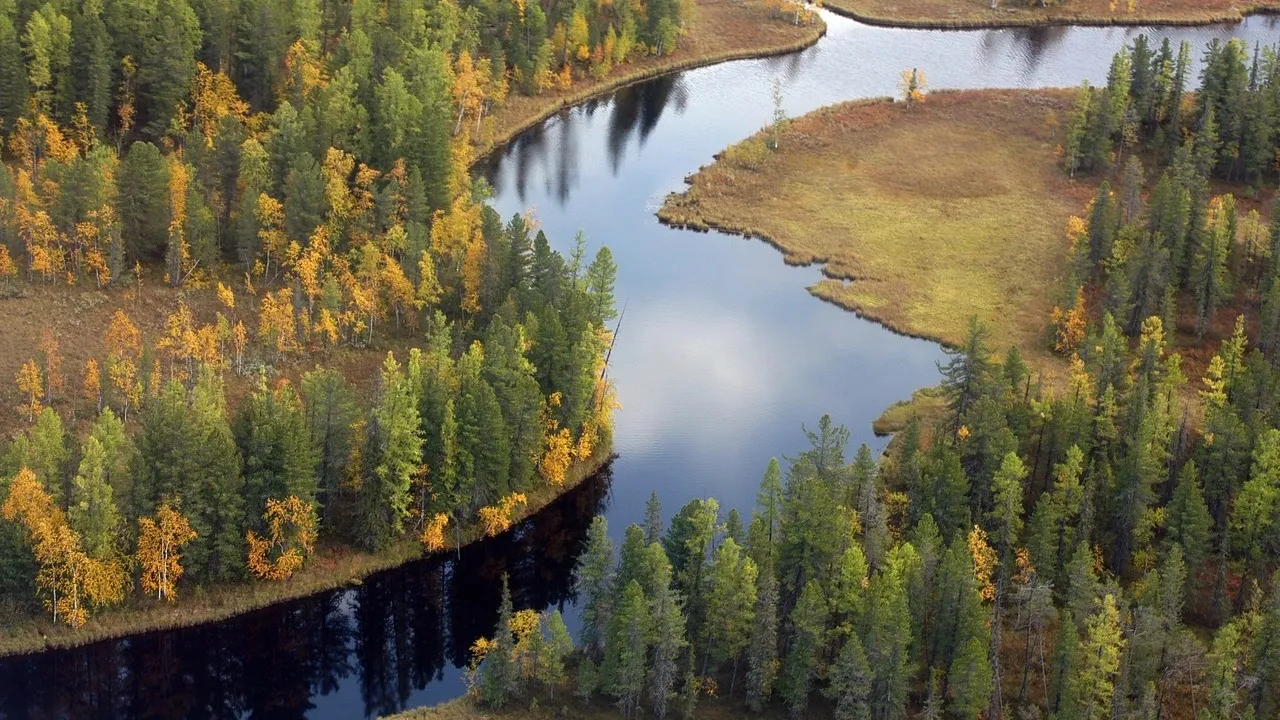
394	641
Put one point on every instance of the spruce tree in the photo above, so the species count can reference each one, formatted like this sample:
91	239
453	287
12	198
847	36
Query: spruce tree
652	519
393	458
762	652
498	673
1188	523
730	607
970	680
93	513
668	639
626	650
887	641
215	492
850	687
965	374
596	587
808	625
279	459
632	557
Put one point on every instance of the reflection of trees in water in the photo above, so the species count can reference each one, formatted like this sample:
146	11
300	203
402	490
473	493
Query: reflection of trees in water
391	635
1029	44
637	110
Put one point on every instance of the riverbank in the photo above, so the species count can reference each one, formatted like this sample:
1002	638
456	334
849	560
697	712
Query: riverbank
568	705
717	31
974	14
328	569
922	217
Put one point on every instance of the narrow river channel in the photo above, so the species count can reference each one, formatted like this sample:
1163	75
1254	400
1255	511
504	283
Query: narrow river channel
722	355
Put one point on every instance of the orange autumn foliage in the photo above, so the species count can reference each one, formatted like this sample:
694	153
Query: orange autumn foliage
1069	326
91	390
160	541
124	352
497	518
30	385
432	536
984	562
291	537
213	97
70	580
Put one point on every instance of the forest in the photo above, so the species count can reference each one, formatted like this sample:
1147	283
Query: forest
1029	555
353	348
1102	545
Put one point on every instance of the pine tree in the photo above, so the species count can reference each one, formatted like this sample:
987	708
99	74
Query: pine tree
1255	517
762	652
1089	689
627	648
668	639
93	514
395	456
808	624
596	587
498	676
1188	523
887	640
730	607
970	680
652	519
1224	663
1266	654
1006	514
850	686
558	646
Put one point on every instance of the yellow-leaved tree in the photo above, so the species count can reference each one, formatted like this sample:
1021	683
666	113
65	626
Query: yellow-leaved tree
70	581
433	533
160	541
291	537
30	385
497	518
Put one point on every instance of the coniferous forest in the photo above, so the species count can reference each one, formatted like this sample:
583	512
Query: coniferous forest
1099	545
296	177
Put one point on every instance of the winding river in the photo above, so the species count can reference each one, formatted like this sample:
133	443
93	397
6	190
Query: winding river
722	355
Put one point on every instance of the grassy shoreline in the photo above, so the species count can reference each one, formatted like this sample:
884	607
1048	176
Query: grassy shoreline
328	569
977	14
921	222
719	31
908	233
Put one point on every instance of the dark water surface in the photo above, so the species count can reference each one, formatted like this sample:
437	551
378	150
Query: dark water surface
721	356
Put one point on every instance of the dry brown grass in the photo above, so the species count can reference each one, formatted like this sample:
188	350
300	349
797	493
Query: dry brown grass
924	217
716	31
330	568
78	317
1012	13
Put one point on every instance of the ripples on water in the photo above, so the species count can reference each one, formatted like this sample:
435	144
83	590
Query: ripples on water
721	357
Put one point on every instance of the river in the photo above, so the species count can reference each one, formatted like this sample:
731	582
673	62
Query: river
721	357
